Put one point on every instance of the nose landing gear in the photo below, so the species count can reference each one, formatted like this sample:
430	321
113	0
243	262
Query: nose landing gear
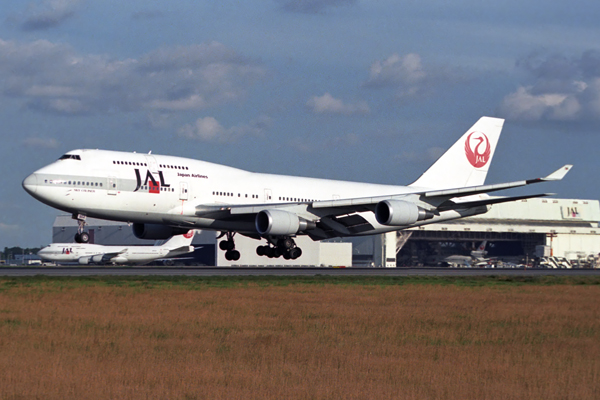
81	236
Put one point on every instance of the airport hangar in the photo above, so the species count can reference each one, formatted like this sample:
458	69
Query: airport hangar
565	227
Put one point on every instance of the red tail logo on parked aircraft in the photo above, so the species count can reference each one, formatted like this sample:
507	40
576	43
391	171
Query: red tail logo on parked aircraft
478	149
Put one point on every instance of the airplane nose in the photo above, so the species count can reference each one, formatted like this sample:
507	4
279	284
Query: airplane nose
30	184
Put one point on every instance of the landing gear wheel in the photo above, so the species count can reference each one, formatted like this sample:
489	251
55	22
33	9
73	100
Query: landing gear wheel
295	253
285	247
232	255
82	237
286	243
226	245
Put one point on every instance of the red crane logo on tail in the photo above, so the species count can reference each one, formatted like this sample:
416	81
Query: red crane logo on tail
478	156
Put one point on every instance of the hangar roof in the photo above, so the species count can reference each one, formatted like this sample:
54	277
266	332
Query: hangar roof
539	215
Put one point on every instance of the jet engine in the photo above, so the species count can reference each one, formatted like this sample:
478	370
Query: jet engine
280	223
156	231
400	213
84	260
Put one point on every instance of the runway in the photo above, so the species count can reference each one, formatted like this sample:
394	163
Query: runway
283	271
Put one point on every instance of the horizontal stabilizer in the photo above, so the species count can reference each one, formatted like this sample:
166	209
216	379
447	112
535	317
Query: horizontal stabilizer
558	174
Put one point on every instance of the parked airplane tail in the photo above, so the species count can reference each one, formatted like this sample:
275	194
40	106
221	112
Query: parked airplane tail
466	163
178	241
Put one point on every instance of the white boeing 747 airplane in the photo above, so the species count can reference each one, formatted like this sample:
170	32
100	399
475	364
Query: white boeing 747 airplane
164	195
85	253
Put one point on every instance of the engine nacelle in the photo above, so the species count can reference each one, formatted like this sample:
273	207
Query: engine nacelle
84	260
277	222
156	231
400	213
280	223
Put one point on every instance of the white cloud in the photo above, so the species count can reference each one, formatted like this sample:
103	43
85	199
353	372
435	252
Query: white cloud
207	128
327	104
407	75
54	78
561	89
210	130
524	105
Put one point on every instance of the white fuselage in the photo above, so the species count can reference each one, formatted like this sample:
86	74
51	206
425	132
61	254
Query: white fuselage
97	254
147	188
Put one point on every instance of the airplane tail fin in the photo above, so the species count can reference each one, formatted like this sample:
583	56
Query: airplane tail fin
466	163
482	246
180	240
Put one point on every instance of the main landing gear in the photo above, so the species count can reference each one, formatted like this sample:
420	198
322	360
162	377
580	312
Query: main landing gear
228	246
285	247
81	236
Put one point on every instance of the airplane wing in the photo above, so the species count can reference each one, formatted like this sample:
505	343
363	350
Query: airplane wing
341	215
440	196
179	251
436	198
106	257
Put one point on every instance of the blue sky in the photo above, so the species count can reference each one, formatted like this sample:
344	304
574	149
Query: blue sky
345	89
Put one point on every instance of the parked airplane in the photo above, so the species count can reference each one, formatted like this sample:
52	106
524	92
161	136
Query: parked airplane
476	257
85	253
165	195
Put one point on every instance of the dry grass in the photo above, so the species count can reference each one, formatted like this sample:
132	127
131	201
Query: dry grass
300	342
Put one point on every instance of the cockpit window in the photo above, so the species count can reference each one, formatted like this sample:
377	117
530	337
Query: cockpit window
70	156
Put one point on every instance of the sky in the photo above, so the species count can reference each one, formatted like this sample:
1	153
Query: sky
370	91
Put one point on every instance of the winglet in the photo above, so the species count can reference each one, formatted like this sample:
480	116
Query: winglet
558	174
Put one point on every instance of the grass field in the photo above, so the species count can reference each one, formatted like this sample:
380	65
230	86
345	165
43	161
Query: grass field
300	338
